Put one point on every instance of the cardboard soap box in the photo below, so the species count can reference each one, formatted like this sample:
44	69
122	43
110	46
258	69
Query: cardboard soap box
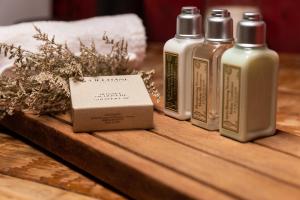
110	103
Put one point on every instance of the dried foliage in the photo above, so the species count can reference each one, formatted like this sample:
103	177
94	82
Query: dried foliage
39	82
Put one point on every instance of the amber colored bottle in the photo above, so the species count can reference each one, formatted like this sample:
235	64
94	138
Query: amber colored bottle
206	69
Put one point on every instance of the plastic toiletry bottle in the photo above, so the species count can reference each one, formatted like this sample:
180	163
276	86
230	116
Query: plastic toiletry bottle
206	69
177	59
249	83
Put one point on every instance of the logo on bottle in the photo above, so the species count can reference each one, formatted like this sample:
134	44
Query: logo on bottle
171	81
200	89
231	97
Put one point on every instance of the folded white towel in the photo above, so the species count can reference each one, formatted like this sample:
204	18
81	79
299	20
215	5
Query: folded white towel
128	26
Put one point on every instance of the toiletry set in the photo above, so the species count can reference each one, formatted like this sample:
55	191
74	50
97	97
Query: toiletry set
217	83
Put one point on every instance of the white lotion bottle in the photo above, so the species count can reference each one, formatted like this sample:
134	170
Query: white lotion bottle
249	83
177	62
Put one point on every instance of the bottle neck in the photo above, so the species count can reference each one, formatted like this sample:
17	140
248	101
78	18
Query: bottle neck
197	37
250	46
215	42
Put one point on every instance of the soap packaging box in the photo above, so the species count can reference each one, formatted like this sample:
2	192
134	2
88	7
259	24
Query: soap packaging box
110	103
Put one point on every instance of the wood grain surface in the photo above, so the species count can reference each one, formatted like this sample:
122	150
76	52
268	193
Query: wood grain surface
19	189
175	160
19	159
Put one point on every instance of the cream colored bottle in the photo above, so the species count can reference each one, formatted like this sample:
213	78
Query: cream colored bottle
177	61
206	69
249	83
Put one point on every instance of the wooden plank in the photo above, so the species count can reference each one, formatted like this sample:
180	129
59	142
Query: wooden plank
249	155
134	175
20	160
288	112
283	142
289	73
13	188
212	143
142	142
216	172
289	123
288	103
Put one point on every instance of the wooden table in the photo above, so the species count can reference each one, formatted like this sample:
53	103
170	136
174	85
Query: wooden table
175	160
28	172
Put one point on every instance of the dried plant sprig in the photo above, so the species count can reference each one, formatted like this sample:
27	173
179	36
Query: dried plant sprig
39	81
147	76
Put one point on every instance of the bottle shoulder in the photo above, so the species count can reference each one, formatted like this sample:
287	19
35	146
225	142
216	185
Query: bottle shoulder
209	50
243	55
251	51
179	45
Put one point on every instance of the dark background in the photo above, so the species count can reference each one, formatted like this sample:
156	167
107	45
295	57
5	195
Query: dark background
159	16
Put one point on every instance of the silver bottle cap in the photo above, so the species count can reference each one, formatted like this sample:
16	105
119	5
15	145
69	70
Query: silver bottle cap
219	26
189	23
251	31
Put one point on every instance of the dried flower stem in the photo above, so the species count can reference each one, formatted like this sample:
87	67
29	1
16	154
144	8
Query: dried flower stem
39	82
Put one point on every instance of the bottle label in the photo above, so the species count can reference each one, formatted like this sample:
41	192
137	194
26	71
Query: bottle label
231	97
171	81
200	89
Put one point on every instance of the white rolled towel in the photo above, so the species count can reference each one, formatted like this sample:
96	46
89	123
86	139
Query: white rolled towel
127	26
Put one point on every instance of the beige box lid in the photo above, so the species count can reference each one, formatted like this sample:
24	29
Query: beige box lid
109	91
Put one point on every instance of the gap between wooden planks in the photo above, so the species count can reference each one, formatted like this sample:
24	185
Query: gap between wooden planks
205	164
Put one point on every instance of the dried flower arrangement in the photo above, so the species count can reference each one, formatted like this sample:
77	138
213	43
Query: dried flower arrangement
39	81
